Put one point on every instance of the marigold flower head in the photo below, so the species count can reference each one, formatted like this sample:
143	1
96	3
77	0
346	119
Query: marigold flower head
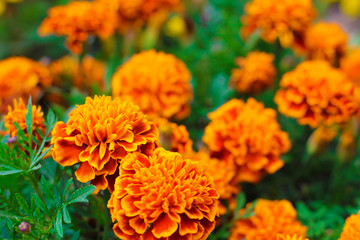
351	228
163	196
83	75
174	137
137	12
77	20
248	136
256	72
21	77
98	135
326	41
290	237
287	22
17	114
158	82
270	218
222	173
316	93
350	65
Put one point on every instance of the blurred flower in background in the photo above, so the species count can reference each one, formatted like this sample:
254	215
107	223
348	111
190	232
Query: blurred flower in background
269	219
156	81
351	228
349	7
3	5
290	237
255	73
350	65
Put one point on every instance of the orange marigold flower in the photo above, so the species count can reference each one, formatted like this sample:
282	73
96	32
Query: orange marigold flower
270	218
137	12
290	237
288	21
21	77
163	196
316	93
84	74
77	20
158	82
248	136
351	228
174	137
98	135
222	173
17	114
256	72
326	41
350	65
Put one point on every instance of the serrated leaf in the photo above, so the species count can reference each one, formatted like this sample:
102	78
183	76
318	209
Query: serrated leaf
23	204
67	218
58	224
20	133
45	188
81	194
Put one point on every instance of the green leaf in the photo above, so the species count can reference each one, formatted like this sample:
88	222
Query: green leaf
9	172
45	188
81	194
50	120
23	204
67	218
240	203
58	224
66	188
28	116
40	204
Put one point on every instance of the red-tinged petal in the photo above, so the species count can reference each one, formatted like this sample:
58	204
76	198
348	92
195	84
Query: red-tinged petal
164	226
66	153
85	172
138	224
100	182
187	226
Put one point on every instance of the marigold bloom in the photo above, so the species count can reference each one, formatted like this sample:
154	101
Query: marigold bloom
158	82
351	228
163	196
270	218
326	41
350	65
256	72
137	12
287	22
289	237
21	77
173	137
248	136
222	173
98	135
77	20
315	93
17	114
85	74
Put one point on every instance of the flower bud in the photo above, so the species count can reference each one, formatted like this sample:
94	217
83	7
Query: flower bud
24	227
11	140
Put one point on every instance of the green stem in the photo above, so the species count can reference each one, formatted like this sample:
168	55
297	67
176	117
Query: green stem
35	183
106	197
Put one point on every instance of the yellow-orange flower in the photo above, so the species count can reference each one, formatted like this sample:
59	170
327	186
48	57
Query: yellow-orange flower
270	218
77	20
158	82
21	77
286	20
17	114
316	93
137	12
222	173
350	65
248	136
163	196
326	41
290	237
256	72
83	75
174	137
98	135
351	228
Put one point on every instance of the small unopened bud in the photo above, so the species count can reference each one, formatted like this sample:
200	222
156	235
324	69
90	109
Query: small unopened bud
11	140
24	227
